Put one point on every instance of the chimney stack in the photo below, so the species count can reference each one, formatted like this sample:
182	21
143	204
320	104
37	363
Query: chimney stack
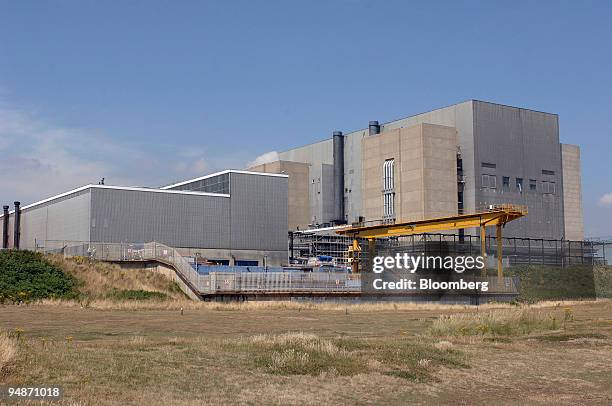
17	226
338	139
374	127
5	224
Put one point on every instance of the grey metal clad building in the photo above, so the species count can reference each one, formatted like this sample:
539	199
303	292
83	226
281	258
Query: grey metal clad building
504	154
243	219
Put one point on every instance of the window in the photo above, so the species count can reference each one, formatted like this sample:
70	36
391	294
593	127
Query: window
533	184
548	187
488	165
519	184
506	182
489	181
389	189
214	184
547	172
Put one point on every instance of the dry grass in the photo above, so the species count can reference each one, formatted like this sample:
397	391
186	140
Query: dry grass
100	279
8	352
299	353
186	304
319	355
496	322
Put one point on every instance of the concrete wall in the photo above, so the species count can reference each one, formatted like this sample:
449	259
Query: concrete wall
319	157
459	116
425	172
269	257
521	143
572	192
298	190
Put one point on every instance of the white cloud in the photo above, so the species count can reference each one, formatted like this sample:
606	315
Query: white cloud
39	159
606	200
191	166
264	159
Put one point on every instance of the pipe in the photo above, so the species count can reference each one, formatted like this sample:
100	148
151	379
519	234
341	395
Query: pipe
5	227
17	226
338	139
374	127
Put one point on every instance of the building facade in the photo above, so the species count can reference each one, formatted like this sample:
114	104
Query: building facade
231	217
458	159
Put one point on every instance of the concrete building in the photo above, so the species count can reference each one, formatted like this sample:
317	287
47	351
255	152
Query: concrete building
460	158
231	217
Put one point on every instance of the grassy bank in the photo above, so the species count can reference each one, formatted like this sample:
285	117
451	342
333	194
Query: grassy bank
539	282
27	276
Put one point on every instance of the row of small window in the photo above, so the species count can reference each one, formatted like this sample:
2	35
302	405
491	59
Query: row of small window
215	184
546	187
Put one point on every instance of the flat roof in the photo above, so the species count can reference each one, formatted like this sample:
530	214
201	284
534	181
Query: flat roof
279	175
416	115
128	188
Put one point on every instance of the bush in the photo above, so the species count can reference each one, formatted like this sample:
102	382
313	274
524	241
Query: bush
540	282
27	275
603	281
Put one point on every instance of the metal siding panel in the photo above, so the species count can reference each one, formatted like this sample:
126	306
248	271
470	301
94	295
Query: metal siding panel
66	219
258	212
521	143
173	219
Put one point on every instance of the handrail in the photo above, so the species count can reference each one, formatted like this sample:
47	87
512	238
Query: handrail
230	282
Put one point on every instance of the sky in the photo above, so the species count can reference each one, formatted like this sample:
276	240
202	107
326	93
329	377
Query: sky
150	92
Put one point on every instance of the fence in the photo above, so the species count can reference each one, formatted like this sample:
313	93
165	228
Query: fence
516	251
214	282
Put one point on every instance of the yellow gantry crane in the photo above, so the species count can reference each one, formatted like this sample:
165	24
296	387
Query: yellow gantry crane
496	215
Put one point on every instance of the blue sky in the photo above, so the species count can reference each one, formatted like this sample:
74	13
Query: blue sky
147	92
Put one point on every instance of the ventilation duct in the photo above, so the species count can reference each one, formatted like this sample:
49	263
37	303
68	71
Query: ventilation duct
374	127
338	139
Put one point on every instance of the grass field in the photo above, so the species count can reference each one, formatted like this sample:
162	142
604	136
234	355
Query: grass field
287	353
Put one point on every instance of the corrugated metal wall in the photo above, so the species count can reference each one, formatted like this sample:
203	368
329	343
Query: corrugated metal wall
520	143
64	219
177	220
258	212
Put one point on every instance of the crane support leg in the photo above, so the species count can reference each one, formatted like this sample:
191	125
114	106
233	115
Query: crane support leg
371	252
356	250
483	247
500	269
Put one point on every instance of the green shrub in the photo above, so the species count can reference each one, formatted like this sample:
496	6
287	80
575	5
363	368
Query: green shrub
540	282
603	281
27	276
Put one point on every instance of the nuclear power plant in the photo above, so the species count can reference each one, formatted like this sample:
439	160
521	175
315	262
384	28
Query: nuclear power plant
303	224
457	159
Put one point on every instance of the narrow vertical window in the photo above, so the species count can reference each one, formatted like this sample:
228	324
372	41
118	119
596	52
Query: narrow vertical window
388	189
